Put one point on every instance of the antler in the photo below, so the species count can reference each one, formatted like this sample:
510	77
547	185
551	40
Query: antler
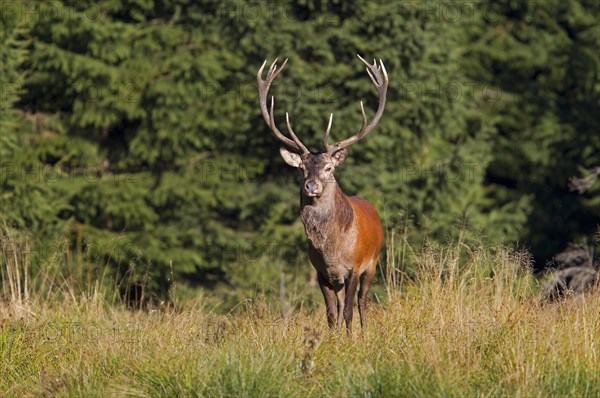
263	90
381	84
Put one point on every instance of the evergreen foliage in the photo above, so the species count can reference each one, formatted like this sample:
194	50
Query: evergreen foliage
132	128
544	58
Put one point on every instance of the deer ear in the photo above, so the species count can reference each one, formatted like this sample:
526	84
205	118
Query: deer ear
339	157
291	158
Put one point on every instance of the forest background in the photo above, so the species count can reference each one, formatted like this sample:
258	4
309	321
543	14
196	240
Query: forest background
133	151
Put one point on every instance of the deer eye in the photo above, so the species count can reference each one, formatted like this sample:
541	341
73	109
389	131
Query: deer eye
328	168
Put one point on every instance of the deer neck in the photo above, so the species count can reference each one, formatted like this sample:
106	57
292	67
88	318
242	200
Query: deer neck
327	216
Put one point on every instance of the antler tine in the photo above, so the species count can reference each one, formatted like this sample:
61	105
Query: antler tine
326	137
275	130
374	71
379	77
273	72
263	90
364	121
301	146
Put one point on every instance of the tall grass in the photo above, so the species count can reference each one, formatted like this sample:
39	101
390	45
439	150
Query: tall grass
466	323
34	276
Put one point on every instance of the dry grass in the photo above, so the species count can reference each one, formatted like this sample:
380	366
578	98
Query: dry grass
467	325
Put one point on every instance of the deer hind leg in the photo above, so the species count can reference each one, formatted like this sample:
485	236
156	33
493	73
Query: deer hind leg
350	286
366	280
329	296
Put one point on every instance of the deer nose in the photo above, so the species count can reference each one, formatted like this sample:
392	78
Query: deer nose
311	186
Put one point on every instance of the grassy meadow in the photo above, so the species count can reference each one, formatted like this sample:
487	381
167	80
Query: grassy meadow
467	323
150	238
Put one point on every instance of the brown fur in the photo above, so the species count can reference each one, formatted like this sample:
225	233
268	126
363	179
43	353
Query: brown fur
344	239
370	228
344	211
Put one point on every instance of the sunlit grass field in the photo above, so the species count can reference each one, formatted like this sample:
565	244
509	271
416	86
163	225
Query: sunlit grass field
468	323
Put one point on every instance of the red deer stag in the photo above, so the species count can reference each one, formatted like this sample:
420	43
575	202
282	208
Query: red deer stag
344	232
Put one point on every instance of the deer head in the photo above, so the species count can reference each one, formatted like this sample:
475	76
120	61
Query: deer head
317	167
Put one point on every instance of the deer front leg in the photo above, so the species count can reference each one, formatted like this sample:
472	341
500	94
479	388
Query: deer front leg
329	296
340	293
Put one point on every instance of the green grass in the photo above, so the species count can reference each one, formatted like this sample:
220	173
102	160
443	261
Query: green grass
466	325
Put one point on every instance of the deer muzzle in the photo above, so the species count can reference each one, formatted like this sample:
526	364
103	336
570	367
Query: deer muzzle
313	188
